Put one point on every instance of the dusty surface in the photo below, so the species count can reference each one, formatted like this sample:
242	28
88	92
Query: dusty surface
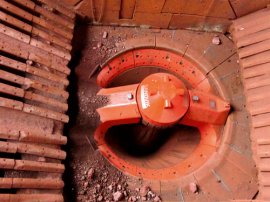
107	183
92	49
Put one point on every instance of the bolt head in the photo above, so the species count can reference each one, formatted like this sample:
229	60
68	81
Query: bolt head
130	96
195	98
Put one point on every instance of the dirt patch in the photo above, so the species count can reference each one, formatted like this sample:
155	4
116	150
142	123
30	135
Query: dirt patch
92	47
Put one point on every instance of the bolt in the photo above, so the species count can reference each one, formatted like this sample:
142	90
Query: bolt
167	104
130	96
195	98
212	104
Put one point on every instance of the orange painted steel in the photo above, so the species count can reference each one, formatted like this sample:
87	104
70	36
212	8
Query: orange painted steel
200	156
206	108
120	110
162	100
149	57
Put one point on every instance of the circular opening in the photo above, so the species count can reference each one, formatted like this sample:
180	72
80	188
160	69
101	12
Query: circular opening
151	147
146	151
148	146
136	75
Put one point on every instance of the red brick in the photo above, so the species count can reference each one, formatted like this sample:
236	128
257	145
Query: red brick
149	6
127	9
173	6
196	7
199	23
236	180
154	20
244	7
220	8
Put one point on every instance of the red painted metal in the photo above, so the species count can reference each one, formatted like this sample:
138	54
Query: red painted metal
162	100
119	110
148	57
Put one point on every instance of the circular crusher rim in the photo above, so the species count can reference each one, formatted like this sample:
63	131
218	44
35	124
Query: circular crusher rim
226	153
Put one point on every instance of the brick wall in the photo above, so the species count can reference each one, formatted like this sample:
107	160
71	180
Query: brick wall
208	15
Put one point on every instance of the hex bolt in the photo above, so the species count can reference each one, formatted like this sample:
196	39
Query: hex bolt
195	98
130	96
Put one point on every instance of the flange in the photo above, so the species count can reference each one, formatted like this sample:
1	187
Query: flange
205	111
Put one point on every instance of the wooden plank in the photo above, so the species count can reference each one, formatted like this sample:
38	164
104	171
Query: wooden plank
51	38
253	38
26	3
256	82
7	147
37	166
245	30
56	18
26	51
42	138
259	107
263	151
7	163
9	135
45	113
43	183
257	59
254	49
12	104
46	100
15	22
31	183
33	149
28	83
60	62
257	94
23	136
46	75
31	70
16	10
50	49
59	7
11	90
14	33
12	77
8	62
31	197
13	46
47	89
47	60
5	183
52	27
261	120
258	70
46	24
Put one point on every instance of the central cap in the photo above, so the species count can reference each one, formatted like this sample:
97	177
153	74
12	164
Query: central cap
163	99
